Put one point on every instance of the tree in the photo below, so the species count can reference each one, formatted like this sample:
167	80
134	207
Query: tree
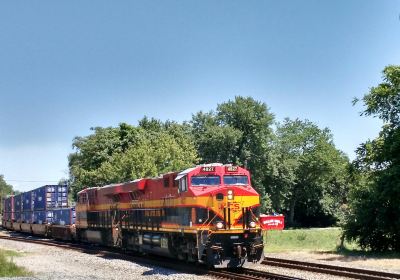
125	153
308	172
239	132
374	218
215	143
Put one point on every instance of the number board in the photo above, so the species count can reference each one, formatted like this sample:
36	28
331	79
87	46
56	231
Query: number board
208	169
231	168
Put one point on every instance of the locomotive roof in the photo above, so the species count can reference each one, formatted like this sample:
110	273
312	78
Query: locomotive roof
179	175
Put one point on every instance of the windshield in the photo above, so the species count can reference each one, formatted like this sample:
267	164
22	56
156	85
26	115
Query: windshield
206	180
236	180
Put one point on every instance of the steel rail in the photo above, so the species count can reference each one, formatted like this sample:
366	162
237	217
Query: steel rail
247	274
237	274
355	273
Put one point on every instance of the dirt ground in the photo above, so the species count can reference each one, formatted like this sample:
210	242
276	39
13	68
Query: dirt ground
383	264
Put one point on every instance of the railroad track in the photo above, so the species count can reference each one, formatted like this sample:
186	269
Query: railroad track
247	274
237	274
242	274
354	273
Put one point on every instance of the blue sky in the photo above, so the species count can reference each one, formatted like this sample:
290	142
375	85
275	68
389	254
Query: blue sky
69	66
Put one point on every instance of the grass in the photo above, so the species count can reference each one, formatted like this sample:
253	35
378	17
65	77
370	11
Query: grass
315	240
7	267
10	253
326	240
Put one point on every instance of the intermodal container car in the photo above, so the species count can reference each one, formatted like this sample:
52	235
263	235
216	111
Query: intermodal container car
42	217
26	217
6	216
64	216
17	216
27	201
9	204
50	196
18	203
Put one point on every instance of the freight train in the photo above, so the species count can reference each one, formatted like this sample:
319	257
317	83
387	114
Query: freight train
205	214
40	211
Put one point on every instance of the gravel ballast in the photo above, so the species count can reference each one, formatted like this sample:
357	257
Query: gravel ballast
47	262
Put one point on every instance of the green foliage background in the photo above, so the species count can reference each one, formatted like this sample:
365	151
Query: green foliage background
295	165
374	213
309	175
124	153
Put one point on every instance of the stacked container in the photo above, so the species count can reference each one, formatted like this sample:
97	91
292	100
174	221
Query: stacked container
17	207
8	210
64	216
9	203
26	215
42	217
47	198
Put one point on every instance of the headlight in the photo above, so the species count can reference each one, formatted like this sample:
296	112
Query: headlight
252	224
219	225
230	192
230	196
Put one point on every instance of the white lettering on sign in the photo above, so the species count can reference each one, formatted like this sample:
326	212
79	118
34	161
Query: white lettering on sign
272	222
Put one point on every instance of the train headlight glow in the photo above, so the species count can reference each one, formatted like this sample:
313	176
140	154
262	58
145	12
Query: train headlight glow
219	225
230	192
252	224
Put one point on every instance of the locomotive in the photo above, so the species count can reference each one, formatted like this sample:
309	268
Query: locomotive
205	214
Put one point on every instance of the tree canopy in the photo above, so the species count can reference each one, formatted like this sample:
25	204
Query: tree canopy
308	174
374	218
238	132
124	153
295	168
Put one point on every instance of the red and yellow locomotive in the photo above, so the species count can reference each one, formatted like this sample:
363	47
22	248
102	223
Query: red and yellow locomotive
207	214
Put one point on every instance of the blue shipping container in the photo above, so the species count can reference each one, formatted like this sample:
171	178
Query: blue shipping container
26	217
50	196
17	216
61	196
64	216
27	201
42	217
18	203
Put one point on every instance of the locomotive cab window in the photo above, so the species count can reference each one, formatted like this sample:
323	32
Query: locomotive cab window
83	198
236	180
200	181
166	182
183	184
175	182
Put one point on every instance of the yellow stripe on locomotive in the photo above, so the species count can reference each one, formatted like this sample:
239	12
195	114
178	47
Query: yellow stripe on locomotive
207	214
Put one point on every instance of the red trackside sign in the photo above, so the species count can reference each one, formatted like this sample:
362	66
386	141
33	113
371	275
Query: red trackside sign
268	222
